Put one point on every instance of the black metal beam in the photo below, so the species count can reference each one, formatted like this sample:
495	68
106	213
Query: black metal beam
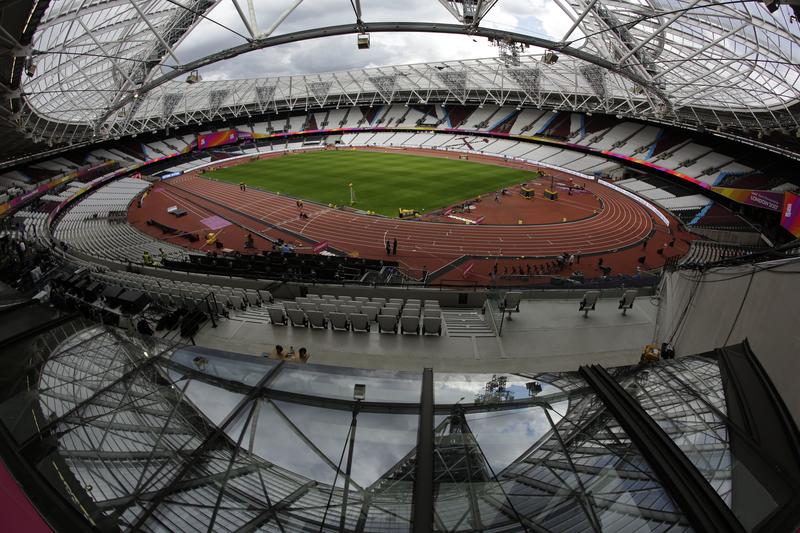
763	438
703	507
265	516
422	513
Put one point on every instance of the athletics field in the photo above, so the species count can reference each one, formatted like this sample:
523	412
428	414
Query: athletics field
383	182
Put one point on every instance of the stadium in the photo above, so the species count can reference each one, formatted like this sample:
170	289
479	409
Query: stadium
465	266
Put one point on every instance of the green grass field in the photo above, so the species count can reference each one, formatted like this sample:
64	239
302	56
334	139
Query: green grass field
382	182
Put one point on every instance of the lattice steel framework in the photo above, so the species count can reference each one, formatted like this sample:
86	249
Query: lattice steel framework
121	410
686	62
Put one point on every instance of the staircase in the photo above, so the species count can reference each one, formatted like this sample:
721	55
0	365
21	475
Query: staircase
464	323
253	315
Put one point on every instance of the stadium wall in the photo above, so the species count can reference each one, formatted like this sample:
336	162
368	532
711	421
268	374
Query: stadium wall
722	306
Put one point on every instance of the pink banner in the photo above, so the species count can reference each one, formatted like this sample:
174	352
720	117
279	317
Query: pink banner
218	138
765	199
790	215
321	247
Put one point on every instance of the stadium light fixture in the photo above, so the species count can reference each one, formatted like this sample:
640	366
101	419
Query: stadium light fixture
550	57
193	77
363	41
30	67
359	392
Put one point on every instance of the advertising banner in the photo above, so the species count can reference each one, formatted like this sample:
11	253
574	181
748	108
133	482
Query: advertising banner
218	138
790	215
765	199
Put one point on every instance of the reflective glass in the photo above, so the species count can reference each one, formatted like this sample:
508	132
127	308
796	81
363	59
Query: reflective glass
687	399
503	436
451	388
235	367
334	382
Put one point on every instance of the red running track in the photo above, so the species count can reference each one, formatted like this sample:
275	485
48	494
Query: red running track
621	223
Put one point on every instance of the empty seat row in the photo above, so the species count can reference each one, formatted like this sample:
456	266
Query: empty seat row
370	309
363	299
339	320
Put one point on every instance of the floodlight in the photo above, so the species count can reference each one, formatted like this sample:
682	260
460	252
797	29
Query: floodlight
359	391
363	41
550	58
194	77
30	67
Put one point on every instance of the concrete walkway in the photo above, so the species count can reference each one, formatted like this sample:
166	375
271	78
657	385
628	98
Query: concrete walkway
546	335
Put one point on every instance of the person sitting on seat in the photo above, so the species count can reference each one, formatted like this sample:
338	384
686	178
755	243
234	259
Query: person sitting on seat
303	355
277	352
147	258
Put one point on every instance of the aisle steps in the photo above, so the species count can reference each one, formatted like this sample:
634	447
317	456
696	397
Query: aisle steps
463	323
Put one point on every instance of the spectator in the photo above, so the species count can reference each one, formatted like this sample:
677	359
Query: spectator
303	355
144	327
277	352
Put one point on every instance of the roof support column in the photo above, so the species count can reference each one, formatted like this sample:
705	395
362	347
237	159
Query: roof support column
422	513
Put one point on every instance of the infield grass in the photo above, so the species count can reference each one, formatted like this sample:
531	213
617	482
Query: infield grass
383	182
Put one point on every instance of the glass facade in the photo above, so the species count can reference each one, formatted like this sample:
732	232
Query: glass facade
158	437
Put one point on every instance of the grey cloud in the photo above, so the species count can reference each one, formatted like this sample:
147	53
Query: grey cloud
340	53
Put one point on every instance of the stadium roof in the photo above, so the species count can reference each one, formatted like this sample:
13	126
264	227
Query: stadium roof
106	68
146	435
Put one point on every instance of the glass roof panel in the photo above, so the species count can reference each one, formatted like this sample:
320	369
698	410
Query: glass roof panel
318	380
92	55
150	454
686	398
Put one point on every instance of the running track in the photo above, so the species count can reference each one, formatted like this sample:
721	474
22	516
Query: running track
623	222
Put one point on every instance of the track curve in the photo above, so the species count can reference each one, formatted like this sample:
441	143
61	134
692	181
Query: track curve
621	222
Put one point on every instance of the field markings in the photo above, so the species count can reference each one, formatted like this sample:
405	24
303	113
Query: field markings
619	223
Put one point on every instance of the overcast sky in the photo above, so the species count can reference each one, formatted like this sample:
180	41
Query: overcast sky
541	18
